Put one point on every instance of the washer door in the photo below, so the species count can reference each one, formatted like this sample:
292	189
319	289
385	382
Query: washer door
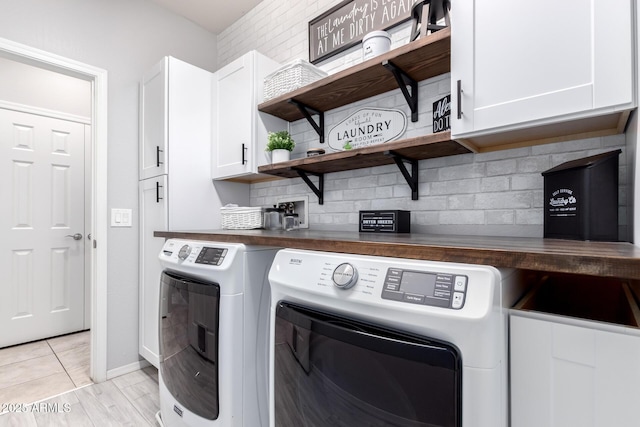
189	343
334	371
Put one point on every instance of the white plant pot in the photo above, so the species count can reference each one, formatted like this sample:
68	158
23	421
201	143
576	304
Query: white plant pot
280	155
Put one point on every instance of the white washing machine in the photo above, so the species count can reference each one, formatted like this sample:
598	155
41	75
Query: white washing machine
214	334
376	341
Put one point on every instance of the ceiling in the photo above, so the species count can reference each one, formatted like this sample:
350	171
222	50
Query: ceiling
213	15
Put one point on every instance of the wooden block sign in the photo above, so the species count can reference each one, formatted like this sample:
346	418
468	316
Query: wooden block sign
348	22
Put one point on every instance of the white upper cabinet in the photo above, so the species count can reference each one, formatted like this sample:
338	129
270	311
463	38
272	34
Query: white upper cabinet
239	129
518	66
153	121
175	114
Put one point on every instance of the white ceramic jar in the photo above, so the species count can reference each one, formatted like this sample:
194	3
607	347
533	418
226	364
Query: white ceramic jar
375	43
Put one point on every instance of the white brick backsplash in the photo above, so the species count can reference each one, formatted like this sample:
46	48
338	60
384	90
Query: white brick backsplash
494	183
500	217
363	182
461	202
429	203
456	187
425	218
493	193
387	179
384	192
333	196
530	217
533	164
462	217
402	191
503	154
360	194
538	199
471	170
527	182
504	200
502	167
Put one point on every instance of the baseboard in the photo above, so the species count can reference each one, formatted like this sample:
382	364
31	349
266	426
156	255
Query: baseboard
141	364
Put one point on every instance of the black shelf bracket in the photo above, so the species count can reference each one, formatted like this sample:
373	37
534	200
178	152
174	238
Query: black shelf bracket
405	80
411	178
307	112
319	190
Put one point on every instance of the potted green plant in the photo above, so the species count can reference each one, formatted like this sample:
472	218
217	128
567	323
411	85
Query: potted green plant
280	145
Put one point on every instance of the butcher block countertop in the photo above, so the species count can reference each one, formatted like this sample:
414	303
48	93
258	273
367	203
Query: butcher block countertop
605	259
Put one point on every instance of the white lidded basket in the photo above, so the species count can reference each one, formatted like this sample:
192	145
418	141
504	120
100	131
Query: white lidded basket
241	217
290	77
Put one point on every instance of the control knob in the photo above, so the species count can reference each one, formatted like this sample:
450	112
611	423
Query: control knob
345	276
184	252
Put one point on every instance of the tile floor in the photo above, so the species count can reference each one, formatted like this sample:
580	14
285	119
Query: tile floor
41	369
128	400
54	374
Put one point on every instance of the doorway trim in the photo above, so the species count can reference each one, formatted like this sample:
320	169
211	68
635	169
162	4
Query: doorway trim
99	220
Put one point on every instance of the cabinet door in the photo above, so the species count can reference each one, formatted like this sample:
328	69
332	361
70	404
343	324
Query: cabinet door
153	217
234	119
523	65
153	122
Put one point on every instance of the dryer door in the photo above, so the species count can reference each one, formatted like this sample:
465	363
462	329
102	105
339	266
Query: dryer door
335	371
189	343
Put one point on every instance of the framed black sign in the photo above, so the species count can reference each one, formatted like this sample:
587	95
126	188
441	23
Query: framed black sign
344	25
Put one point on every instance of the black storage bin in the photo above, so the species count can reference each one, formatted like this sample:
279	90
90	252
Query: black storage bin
581	199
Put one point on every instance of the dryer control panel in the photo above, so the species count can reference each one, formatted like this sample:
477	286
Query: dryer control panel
425	288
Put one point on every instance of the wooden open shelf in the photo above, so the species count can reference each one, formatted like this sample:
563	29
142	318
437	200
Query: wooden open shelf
419	148
421	59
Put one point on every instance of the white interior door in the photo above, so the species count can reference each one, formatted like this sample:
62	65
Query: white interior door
42	187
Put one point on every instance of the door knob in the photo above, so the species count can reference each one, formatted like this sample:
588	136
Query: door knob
76	236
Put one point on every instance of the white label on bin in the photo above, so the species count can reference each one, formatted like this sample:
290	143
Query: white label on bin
563	203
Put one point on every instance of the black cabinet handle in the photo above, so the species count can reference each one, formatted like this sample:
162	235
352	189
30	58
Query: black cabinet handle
459	99
158	151
158	187
244	149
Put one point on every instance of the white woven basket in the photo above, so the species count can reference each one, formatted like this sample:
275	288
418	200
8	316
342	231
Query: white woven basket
241	218
290	77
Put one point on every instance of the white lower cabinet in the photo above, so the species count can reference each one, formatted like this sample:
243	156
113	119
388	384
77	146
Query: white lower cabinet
544	68
569	372
153	217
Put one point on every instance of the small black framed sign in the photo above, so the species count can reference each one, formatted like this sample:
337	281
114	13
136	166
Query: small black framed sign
344	25
441	114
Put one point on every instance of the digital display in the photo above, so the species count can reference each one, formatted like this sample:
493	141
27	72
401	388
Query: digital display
413	282
211	256
426	288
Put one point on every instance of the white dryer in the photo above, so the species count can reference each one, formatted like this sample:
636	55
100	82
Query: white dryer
376	341
214	334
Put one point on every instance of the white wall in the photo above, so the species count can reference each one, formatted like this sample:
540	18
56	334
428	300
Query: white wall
499	193
29	85
124	37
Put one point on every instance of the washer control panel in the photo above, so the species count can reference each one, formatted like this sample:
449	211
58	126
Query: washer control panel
211	256
425	288
178	252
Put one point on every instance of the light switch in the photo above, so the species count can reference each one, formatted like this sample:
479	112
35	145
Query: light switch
121	217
